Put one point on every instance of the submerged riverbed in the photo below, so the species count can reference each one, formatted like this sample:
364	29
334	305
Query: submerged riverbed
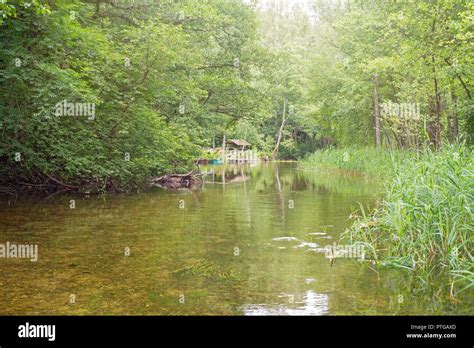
250	241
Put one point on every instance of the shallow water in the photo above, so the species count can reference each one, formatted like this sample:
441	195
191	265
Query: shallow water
250	241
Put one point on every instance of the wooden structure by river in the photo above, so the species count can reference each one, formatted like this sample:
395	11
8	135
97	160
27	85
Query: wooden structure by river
238	150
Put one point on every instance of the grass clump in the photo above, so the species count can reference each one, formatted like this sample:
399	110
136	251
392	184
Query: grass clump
367	161
426	221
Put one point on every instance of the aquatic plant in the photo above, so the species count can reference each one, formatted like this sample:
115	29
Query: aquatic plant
426	221
369	161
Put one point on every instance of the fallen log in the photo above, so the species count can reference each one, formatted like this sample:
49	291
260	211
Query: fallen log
176	180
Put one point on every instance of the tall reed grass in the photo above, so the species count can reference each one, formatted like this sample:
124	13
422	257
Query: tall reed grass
368	161
426	221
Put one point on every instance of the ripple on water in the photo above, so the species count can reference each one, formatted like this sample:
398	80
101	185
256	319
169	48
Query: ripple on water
306	244
284	238
310	303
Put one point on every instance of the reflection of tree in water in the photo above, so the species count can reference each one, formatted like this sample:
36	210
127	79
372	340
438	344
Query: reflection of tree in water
287	177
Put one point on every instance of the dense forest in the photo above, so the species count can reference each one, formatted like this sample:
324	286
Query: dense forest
103	94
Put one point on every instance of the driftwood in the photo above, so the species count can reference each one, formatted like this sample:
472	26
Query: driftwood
49	184
177	180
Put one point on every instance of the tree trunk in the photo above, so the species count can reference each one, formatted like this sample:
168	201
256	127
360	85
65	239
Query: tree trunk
431	126
376	110
455	116
224	158
280	132
437	105
448	119
437	125
387	136
397	139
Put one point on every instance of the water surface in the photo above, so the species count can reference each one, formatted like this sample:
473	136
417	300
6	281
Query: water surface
248	242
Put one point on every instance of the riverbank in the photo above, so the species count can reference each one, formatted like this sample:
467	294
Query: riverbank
425	222
365	161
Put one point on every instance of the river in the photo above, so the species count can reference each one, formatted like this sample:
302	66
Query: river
250	241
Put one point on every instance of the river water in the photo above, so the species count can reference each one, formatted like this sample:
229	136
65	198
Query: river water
250	241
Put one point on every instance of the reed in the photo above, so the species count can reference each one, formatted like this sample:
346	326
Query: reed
367	161
425	223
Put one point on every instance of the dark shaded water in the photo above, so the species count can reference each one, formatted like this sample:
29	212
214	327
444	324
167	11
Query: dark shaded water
250	241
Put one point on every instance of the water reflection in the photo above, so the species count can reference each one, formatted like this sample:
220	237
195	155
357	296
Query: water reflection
248	241
286	176
309	303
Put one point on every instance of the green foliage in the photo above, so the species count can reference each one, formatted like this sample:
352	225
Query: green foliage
369	161
169	78
425	223
420	53
163	79
8	8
